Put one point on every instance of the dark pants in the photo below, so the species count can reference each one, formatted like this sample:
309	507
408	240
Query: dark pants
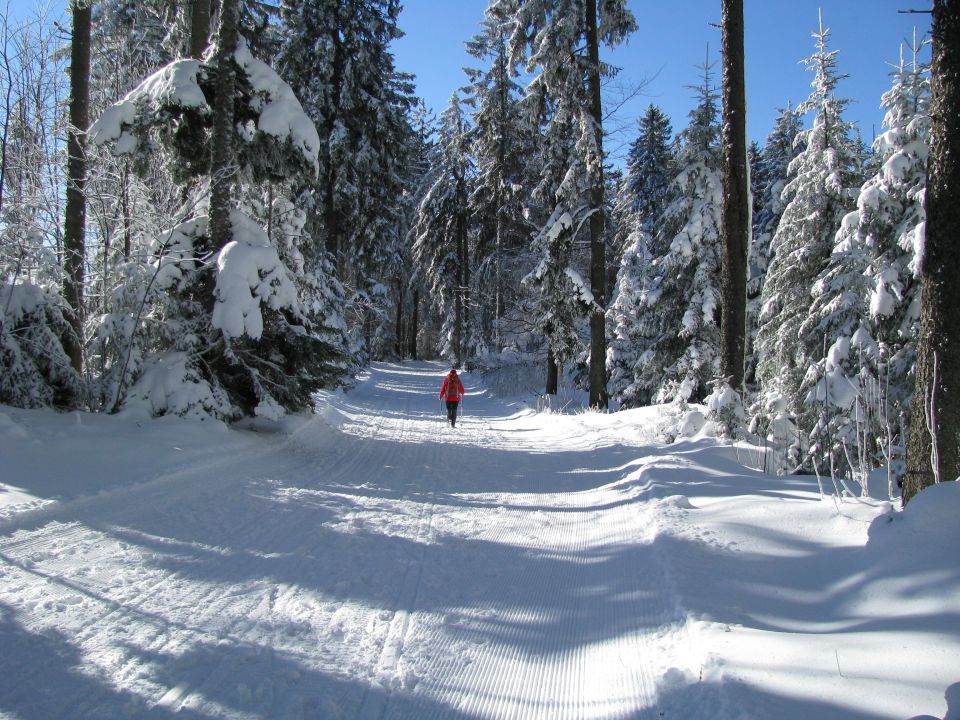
452	411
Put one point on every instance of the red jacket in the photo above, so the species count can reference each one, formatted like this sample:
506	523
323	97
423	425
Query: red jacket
452	388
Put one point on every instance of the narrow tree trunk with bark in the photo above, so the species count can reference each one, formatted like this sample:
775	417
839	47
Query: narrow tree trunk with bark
398	322
499	199
459	326
76	209
331	216
199	28
414	324
598	261
736	198
553	374
7	111
222	168
933	454
126	209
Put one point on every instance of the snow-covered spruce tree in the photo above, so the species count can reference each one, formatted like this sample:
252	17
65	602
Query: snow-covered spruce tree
680	310
420	179
441	248
35	371
502	146
866	302
650	167
563	38
817	197
336	56
239	337
783	144
641	196
563	297
891	223
627	341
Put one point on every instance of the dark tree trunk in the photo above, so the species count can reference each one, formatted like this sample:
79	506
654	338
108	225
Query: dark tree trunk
398	323
414	324
330	220
460	309
331	216
499	200
936	397
222	163
199	28
736	199
76	208
598	260
553	374
126	209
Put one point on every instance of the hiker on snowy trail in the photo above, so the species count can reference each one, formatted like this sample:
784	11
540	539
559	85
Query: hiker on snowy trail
452	391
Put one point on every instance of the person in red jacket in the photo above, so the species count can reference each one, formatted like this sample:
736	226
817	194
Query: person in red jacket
452	391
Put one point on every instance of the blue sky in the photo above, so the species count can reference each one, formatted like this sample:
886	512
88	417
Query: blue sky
672	40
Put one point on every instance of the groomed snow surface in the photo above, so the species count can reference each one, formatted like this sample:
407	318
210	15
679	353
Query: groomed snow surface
369	562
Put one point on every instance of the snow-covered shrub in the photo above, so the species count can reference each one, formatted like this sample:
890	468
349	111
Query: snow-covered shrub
170	384
34	369
775	428
725	410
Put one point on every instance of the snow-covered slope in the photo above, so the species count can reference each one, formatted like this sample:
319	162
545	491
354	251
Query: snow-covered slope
370	562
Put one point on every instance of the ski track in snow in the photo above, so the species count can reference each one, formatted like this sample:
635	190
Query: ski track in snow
367	562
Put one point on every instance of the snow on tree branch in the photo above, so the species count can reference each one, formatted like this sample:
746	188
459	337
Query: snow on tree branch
250	274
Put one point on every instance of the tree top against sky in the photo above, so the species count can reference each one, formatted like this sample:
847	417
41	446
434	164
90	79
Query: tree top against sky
667	47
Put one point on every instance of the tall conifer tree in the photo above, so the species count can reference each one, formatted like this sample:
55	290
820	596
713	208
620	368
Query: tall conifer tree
933	450
650	167
681	304
74	247
564	38
822	184
736	198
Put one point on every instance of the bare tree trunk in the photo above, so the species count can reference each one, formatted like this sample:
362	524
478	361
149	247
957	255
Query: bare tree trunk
126	211
932	445
459	294
222	165
331	216
598	261
553	374
736	198
414	324
499	304
199	28
7	105
76	210
398	322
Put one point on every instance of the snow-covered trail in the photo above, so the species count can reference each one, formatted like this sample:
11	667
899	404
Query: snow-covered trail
369	562
372	563
524	595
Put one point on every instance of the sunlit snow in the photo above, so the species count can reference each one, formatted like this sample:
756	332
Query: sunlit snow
368	561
